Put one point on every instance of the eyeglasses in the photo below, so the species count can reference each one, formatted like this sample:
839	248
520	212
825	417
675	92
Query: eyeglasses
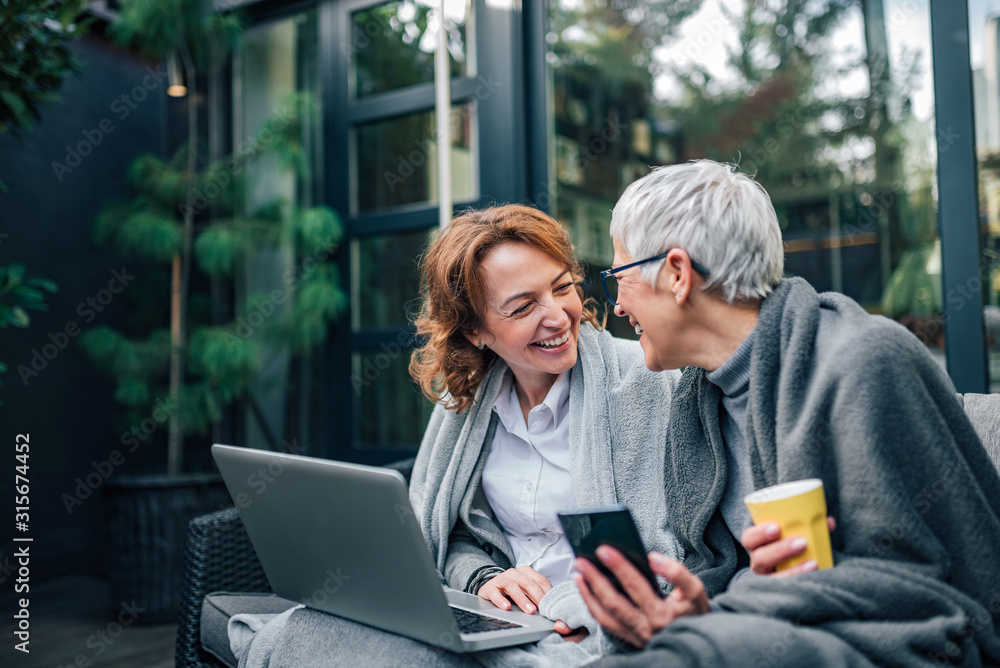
610	281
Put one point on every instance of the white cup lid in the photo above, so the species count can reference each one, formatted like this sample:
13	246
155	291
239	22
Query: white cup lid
785	490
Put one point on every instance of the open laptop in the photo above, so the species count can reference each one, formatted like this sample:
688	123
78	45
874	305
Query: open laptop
343	538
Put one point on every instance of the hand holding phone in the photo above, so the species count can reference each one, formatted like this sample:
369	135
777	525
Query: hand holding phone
589	528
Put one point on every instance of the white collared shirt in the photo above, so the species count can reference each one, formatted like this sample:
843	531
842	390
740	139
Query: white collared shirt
527	478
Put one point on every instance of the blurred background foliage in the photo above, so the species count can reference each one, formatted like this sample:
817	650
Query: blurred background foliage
221	358
18	295
395	46
811	97
35	57
189	215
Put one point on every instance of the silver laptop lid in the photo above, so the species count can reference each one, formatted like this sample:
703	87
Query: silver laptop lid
340	538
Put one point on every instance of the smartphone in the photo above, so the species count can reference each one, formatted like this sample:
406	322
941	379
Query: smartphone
589	528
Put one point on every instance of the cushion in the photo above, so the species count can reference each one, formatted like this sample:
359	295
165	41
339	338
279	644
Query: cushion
984	414
219	606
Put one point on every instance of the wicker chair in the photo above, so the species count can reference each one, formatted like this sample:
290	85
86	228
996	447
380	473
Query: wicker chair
220	557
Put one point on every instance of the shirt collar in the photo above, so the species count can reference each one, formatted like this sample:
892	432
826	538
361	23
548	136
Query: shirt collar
508	408
558	394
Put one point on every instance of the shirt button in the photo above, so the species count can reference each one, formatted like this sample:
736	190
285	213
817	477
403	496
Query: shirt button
527	486
487	548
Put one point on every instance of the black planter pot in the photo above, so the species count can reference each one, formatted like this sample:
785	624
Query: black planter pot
146	517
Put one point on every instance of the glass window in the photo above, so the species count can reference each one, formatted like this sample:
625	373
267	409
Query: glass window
396	159
277	61
384	283
984	42
275	69
828	104
391	412
394	44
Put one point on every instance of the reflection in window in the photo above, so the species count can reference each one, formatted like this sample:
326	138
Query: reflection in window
397	159
830	107
394	44
984	39
392	413
275	71
276	61
384	281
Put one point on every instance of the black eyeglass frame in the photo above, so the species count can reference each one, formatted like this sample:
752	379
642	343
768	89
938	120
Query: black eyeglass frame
697	266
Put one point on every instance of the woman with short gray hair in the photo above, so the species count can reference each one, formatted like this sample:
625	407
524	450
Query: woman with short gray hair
781	384
693	206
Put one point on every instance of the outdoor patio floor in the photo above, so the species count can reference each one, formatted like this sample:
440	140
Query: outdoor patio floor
67	616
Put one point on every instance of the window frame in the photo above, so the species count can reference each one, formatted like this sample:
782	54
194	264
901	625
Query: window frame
497	88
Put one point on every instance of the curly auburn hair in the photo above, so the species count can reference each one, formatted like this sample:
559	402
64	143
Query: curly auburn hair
453	290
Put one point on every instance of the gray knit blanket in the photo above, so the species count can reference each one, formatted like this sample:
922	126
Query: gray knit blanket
856	400
618	438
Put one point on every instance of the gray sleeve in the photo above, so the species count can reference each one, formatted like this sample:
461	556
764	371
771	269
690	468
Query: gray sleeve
468	565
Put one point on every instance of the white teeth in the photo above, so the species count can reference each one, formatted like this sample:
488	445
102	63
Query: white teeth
554	342
638	329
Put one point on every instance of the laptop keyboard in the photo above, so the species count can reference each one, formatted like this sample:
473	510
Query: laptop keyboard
472	622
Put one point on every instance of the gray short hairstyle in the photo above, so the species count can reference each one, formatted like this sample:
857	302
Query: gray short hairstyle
723	219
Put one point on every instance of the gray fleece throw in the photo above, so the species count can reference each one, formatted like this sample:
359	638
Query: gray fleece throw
618	439
853	399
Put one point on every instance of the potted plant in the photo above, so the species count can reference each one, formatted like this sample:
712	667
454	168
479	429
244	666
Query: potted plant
188	217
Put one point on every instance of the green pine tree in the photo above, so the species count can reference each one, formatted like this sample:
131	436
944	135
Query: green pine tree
187	215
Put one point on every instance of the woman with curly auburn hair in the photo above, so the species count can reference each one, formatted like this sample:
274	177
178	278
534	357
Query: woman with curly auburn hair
538	411
454	286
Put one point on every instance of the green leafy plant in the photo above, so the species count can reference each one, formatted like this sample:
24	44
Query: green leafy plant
34	60
35	57
19	294
188	215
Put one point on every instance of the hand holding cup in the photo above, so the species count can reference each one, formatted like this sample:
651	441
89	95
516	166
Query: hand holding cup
798	510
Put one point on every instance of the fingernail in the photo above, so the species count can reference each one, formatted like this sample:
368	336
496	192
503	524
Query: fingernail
772	531
604	553
799	544
530	609
810	565
506	605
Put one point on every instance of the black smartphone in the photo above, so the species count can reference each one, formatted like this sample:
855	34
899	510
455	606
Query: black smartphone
588	528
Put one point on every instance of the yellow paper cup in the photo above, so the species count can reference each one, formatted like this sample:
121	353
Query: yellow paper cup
799	508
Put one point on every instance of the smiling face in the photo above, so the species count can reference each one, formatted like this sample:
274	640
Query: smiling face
653	313
532	314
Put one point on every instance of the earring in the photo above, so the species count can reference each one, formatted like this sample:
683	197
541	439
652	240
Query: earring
481	345
677	298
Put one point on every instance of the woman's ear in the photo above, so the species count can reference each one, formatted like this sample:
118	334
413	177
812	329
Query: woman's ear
676	275
473	337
